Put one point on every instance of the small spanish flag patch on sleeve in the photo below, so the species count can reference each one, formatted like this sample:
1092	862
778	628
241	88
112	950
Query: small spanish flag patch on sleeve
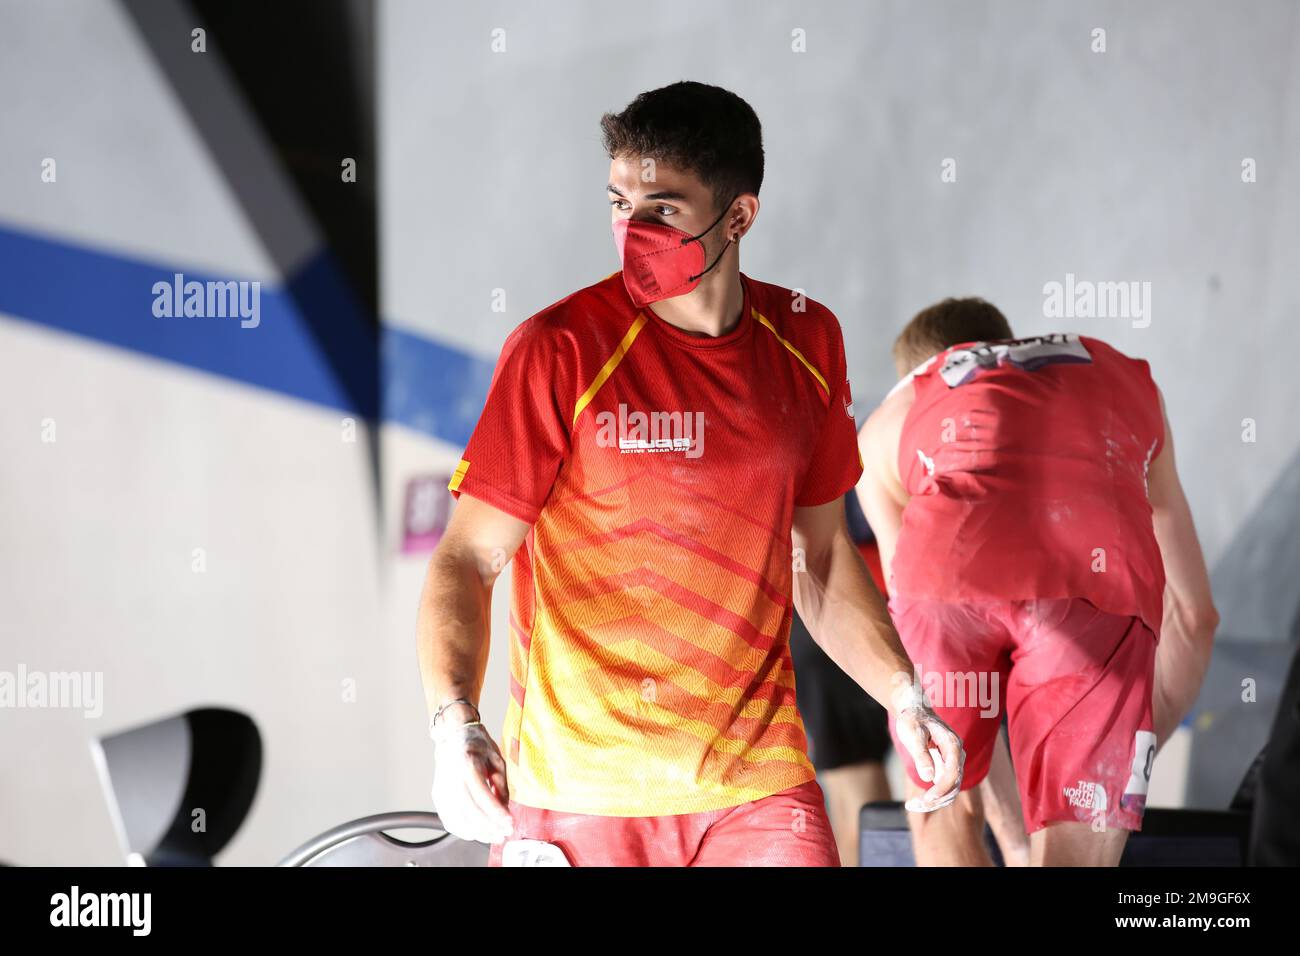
459	476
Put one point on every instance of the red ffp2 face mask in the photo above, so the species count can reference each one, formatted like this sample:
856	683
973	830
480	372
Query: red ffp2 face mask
661	261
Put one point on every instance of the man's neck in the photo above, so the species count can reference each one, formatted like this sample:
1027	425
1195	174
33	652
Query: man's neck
713	308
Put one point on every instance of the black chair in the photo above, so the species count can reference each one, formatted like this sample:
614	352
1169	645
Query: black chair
180	788
365	842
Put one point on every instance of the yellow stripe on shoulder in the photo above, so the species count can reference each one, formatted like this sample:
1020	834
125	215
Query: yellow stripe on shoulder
458	476
762	320
608	368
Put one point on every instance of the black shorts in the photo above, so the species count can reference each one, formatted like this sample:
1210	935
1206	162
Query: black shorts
845	725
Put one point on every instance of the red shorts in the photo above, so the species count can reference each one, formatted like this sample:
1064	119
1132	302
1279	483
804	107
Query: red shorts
786	829
1076	684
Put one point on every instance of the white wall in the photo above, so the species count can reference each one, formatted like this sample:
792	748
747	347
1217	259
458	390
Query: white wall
150	462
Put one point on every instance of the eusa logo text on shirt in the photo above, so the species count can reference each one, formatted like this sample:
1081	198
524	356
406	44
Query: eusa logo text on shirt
635	432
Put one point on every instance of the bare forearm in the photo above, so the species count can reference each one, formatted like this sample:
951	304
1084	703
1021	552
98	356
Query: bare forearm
847	617
1189	619
453	630
1182	658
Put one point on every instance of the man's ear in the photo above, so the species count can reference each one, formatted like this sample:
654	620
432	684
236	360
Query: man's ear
743	212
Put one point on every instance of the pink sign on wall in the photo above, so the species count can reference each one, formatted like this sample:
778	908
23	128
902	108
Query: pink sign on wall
424	517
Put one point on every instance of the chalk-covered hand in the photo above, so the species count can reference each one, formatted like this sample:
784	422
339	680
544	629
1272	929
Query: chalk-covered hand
934	748
469	784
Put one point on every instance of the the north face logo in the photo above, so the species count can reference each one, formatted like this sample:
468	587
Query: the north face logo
1088	794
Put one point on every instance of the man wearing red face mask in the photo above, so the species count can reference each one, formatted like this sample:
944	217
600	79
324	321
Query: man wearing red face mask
663	455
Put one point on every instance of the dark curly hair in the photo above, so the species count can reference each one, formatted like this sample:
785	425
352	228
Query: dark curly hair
702	129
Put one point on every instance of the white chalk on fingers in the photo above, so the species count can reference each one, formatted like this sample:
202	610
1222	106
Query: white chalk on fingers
918	805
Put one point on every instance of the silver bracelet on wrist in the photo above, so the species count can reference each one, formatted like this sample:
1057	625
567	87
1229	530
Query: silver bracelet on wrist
433	721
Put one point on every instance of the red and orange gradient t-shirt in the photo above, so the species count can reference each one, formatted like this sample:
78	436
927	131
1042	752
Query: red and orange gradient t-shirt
650	669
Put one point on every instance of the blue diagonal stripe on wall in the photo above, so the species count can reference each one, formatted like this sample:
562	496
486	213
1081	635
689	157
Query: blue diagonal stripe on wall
427	386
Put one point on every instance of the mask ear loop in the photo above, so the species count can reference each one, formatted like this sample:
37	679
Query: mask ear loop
705	233
714	263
